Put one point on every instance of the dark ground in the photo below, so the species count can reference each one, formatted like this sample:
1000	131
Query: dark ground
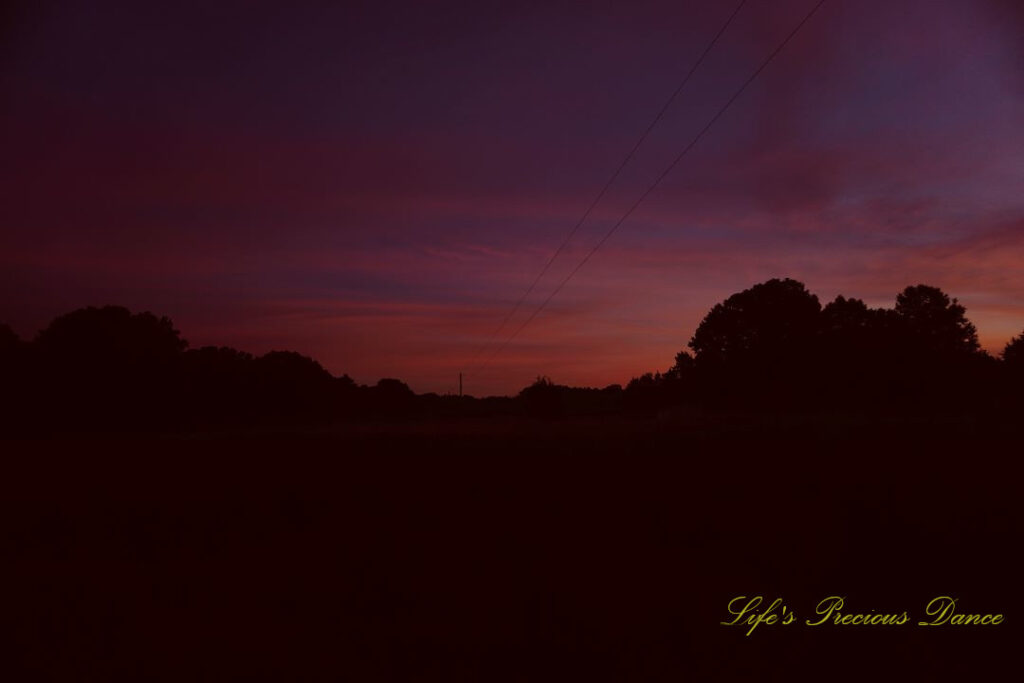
494	550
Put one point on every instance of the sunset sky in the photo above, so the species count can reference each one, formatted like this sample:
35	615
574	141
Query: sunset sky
376	184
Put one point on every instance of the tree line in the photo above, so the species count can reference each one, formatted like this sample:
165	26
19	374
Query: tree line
107	368
775	347
772	347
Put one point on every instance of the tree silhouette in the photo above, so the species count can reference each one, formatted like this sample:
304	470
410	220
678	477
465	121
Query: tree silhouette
10	342
287	370
851	318
772	319
221	363
936	362
934	323
217	385
11	350
106	367
111	334
12	375
290	386
855	352
756	346
682	368
1013	353
771	347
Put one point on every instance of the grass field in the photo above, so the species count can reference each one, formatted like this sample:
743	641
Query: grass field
494	550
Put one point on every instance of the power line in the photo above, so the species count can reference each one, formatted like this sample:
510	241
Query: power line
657	181
612	179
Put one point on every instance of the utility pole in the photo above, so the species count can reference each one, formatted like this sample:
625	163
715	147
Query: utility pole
460	384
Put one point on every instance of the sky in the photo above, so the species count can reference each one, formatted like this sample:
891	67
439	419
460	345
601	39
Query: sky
376	185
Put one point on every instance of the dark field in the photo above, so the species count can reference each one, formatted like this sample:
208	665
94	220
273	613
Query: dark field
510	550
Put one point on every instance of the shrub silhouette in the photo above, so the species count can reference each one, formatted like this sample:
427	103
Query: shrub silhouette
647	392
392	397
543	398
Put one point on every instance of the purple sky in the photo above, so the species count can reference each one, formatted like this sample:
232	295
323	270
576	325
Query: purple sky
376	186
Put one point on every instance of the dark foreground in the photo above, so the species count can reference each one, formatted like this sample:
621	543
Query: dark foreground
510	551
